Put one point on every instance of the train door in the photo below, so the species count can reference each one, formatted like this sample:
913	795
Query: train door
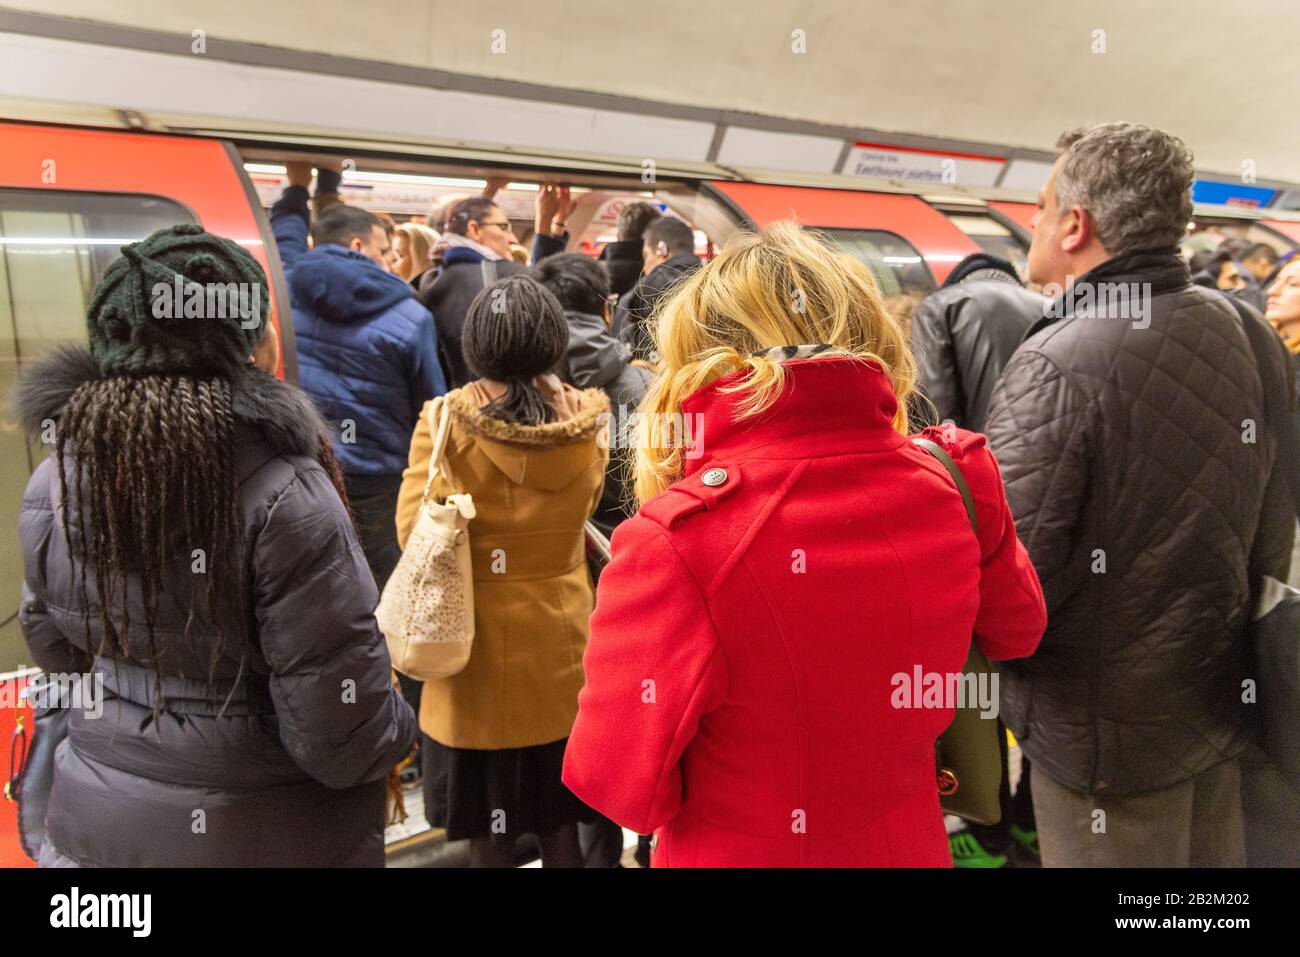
909	246
993	232
1019	215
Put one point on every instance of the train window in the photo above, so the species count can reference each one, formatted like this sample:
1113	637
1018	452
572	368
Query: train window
993	238
899	269
54	246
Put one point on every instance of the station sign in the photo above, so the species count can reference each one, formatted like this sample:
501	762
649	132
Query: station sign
936	167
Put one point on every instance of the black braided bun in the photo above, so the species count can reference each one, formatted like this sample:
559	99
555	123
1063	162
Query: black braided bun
515	330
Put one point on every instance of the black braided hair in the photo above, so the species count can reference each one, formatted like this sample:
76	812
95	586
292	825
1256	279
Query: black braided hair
148	473
515	331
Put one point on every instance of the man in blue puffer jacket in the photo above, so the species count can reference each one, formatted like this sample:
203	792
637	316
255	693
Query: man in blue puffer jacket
367	353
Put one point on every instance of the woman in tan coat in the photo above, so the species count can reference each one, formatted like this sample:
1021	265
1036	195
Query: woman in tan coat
525	446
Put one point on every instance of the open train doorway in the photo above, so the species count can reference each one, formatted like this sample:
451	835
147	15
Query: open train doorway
400	191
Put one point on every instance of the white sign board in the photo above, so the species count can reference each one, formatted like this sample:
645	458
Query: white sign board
921	166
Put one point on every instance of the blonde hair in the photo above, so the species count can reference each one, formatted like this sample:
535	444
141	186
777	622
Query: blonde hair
421	239
784	286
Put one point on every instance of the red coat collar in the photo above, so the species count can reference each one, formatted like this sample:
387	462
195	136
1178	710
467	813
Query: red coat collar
828	406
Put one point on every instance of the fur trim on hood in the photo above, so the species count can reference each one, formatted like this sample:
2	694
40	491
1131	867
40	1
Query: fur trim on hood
569	431
283	412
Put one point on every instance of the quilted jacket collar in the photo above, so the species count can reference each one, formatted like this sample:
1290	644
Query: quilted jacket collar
1163	268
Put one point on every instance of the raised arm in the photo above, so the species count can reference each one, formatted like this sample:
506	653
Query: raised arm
291	216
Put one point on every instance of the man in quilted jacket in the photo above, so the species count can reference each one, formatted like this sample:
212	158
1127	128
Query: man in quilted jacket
1131	434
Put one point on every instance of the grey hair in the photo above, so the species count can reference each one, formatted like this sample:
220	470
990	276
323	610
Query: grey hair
1135	181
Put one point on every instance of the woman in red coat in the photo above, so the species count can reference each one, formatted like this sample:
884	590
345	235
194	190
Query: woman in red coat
795	561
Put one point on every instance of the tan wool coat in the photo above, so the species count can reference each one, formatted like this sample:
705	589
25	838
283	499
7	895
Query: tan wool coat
533	488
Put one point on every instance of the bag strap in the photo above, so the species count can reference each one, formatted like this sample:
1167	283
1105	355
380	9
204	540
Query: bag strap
488	269
945	778
1280	421
439	428
937	450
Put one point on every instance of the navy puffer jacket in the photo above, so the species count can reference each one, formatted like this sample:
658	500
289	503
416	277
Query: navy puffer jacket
284	766
367	349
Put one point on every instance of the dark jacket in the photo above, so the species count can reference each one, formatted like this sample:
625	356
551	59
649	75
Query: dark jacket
367	350
293	771
1147	514
623	260
964	333
448	294
1252	293
414	281
597	360
631	319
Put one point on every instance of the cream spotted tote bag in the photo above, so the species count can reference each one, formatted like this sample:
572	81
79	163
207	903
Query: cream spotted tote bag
427	609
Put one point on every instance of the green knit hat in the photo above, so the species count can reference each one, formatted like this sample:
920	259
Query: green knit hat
180	302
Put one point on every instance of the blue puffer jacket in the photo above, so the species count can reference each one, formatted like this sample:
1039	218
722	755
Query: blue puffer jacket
367	349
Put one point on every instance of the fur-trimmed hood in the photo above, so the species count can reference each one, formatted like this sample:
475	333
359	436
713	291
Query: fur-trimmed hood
568	431
546	457
281	411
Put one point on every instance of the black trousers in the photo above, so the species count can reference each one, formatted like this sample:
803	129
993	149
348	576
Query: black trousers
374	506
601	842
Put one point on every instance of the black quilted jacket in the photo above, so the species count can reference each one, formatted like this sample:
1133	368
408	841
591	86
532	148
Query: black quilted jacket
284	766
1125	449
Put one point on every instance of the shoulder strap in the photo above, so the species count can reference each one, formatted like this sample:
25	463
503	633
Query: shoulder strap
1277	416
937	450
439	428
488	268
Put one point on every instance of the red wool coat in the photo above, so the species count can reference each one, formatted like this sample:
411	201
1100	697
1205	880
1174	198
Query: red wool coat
747	633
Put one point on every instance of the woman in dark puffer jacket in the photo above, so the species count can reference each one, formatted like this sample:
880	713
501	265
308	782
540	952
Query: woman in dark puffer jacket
247	714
